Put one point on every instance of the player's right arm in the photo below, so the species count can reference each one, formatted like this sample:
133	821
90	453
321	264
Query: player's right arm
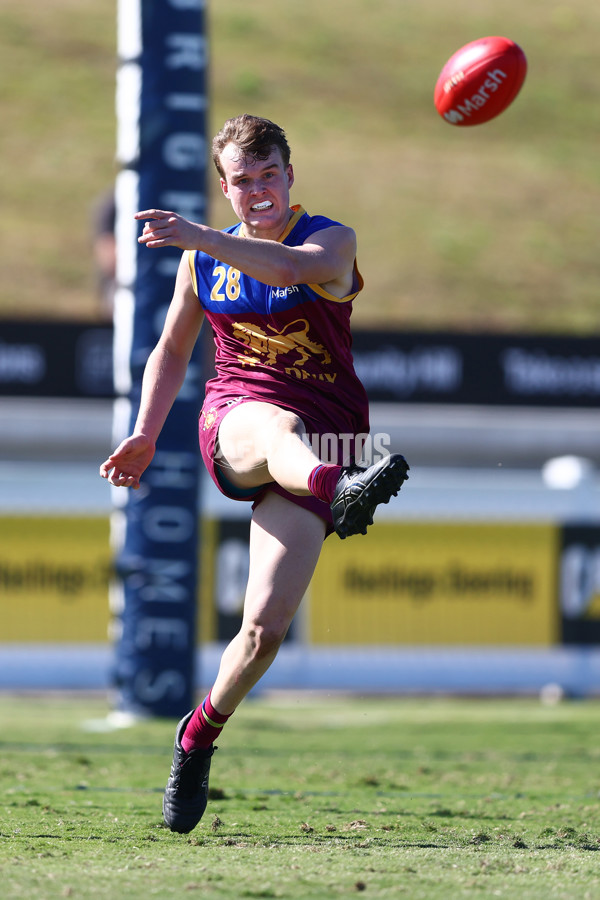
326	258
163	377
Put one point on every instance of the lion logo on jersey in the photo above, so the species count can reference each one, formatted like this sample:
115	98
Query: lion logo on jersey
208	418
267	347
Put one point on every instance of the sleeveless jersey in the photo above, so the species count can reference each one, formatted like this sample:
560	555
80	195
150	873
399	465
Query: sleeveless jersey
289	346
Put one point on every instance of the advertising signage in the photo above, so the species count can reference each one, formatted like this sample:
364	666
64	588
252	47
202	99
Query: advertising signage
68	359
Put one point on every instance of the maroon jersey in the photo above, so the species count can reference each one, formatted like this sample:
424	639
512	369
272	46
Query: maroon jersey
288	346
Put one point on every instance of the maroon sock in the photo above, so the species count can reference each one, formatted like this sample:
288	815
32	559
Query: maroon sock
322	481
203	728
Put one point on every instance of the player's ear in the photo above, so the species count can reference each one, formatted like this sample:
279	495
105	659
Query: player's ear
290	175
224	187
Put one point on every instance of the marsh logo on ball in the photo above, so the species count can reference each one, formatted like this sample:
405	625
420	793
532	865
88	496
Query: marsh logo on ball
454	117
478	100
480	81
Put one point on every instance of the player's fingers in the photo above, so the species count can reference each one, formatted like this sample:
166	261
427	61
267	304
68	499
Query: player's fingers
106	468
153	241
116	477
156	234
152	214
122	480
109	465
128	481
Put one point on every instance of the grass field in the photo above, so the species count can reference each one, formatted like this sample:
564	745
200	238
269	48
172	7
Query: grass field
490	228
312	798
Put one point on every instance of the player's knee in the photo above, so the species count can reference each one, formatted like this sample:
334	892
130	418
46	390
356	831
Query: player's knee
266	638
284	424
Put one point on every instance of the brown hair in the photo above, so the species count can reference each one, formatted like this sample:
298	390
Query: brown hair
254	136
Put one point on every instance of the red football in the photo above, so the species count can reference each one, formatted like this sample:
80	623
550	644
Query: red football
479	81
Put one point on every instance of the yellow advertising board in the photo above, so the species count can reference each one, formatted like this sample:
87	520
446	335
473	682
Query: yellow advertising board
449	583
54	575
414	583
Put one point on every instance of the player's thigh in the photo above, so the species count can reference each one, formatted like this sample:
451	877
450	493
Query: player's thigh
244	435
285	544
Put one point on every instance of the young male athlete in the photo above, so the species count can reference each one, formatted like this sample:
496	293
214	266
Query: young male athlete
277	289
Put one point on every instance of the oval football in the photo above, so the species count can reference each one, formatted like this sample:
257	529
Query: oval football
480	81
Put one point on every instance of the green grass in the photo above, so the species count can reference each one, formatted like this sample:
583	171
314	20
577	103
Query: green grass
427	798
489	228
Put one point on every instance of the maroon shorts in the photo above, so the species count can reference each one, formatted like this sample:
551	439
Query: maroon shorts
211	417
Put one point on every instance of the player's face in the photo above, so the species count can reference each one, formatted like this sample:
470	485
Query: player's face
259	191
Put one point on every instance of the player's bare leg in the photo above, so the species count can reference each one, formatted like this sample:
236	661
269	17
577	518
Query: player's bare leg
285	542
260	442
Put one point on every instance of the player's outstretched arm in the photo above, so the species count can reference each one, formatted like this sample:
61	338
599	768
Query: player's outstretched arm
163	377
326	258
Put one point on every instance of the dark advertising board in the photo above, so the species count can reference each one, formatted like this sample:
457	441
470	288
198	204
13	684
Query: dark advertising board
68	359
485	369
55	359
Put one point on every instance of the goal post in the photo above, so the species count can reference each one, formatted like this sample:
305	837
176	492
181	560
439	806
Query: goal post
161	152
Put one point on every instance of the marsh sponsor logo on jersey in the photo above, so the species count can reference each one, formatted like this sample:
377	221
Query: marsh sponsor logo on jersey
282	293
478	99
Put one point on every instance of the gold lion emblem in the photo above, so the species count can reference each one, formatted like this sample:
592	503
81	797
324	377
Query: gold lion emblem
267	347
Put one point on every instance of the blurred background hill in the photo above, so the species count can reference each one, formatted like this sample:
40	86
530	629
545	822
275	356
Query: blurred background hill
492	228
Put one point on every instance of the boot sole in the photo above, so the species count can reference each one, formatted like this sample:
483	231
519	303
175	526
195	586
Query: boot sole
384	485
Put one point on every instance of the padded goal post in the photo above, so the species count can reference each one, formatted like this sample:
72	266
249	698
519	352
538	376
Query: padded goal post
161	149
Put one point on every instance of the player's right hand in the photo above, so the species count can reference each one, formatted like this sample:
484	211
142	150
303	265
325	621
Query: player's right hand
125	466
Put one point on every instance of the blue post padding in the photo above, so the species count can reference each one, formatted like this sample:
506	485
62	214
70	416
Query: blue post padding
156	560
